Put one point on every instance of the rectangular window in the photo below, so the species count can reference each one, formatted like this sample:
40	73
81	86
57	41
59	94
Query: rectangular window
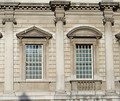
84	61
34	61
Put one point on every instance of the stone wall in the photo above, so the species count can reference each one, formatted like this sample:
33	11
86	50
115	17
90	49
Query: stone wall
44	18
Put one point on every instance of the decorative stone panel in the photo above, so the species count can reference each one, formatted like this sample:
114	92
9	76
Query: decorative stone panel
31	86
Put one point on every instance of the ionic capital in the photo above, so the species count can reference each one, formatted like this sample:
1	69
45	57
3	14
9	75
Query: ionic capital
108	16
60	19
107	19
59	8
9	20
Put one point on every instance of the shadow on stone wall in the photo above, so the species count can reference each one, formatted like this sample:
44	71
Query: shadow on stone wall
24	97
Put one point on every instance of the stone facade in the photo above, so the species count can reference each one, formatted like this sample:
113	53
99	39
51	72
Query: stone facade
59	26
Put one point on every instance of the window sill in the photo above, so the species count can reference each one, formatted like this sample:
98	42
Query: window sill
34	81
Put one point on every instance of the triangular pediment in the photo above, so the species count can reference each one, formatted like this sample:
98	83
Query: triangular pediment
34	32
84	32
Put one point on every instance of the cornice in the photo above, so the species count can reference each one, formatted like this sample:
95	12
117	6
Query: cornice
25	6
60	4
66	4
33	6
84	6
109	5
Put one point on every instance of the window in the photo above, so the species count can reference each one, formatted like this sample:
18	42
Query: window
84	47
34	61
34	52
84	61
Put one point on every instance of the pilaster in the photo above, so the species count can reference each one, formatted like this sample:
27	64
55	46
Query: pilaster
8	22
59	8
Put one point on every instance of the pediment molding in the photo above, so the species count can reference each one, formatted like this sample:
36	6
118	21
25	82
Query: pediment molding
117	35
34	32
84	32
1	35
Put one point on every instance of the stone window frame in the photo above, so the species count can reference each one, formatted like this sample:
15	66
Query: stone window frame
26	38
32	42
38	62
80	72
73	55
84	39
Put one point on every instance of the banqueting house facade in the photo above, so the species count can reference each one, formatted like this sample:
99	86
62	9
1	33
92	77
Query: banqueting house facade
60	50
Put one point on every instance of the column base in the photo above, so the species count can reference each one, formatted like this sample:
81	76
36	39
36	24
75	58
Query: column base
62	92
110	92
9	93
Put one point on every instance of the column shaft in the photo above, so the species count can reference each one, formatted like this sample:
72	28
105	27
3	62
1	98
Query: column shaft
60	82
8	87
59	8
109	56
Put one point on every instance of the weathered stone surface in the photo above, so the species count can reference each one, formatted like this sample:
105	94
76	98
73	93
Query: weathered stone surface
40	15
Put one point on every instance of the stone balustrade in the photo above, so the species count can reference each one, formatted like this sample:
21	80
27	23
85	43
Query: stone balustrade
86	85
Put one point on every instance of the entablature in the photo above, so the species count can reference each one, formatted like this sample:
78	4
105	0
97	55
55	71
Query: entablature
24	6
109	5
66	4
84	6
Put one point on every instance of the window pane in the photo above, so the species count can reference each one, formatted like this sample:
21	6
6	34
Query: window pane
84	61
34	61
